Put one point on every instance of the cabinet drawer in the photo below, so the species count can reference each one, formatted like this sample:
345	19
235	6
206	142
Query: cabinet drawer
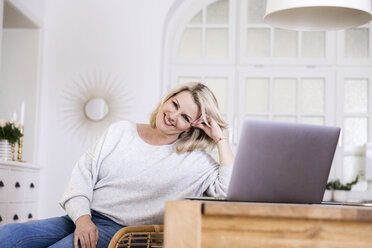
23	186
21	212
17	186
4	185
29	211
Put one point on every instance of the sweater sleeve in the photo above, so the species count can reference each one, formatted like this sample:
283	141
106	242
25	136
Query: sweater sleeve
220	181
77	197
219	178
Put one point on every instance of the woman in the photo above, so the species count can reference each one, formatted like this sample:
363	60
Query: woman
128	175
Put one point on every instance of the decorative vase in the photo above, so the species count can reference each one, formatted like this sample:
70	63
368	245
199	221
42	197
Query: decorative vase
340	195
5	150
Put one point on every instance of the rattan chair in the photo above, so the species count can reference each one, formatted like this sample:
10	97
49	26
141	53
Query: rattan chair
138	237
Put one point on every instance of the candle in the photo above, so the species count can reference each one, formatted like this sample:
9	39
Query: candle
14	116
21	121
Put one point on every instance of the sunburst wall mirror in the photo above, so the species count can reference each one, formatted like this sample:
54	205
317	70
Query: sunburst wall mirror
91	103
96	109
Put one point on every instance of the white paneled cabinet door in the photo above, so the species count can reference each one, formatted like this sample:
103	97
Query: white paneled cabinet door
354	116
354	46
208	37
298	96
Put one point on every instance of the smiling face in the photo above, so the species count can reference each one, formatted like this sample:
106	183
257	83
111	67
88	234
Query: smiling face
176	114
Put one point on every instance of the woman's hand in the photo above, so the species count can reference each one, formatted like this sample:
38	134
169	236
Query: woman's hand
86	232
213	130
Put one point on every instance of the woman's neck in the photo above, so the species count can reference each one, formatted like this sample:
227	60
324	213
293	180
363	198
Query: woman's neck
153	136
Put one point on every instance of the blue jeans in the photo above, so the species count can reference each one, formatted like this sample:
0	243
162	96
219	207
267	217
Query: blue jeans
55	232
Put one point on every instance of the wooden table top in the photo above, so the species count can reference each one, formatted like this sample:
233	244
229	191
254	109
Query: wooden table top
302	211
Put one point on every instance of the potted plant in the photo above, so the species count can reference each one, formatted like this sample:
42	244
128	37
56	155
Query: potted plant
10	132
339	190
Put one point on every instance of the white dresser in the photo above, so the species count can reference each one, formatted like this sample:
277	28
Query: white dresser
19	186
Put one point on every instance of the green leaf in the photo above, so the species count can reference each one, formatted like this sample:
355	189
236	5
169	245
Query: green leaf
337	185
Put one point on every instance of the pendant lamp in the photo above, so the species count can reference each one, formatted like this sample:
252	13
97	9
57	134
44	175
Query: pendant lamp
317	15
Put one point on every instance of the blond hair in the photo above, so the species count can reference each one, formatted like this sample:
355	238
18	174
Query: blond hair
207	104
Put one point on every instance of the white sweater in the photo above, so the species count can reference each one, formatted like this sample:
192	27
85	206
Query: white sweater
129	181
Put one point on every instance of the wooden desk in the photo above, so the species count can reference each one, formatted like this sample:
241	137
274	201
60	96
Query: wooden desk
204	224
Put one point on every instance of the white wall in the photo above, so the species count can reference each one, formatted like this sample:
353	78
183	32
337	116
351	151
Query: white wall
117	37
35	7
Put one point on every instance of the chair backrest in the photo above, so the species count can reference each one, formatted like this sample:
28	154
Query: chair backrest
138	237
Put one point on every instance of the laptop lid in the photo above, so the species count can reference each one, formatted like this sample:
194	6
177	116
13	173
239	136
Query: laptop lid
282	162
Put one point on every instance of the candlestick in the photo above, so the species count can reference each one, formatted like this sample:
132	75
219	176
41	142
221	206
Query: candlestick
20	146
13	150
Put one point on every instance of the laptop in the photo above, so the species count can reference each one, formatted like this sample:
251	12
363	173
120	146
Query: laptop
281	162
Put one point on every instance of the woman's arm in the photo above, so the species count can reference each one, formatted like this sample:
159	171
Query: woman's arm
79	192
78	195
225	155
213	130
